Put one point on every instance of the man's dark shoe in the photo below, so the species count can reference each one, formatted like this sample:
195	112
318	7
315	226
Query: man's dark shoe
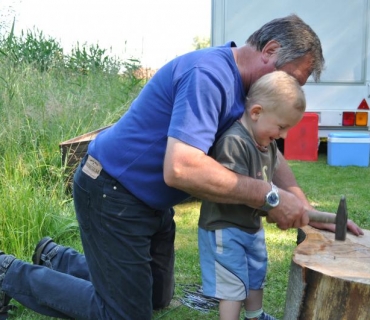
5	306
45	250
5	262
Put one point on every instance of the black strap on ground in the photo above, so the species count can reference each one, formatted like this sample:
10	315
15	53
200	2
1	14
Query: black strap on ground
195	299
4	311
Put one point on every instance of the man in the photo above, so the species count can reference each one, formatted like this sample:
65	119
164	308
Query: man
154	157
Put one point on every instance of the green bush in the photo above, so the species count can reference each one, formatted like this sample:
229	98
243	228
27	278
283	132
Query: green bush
32	47
91	59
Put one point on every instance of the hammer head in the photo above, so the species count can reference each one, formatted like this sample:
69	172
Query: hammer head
341	220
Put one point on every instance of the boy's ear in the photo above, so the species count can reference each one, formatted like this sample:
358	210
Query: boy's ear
255	111
270	49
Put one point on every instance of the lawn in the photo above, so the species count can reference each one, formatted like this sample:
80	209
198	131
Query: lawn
323	185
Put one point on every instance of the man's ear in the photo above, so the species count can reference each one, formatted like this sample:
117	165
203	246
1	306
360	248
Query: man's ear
255	111
270	49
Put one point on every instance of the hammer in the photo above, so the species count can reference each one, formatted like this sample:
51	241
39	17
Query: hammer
340	219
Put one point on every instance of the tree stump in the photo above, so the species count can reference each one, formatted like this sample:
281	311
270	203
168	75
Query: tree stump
329	280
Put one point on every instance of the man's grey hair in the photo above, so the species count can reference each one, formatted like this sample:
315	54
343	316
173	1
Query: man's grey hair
296	39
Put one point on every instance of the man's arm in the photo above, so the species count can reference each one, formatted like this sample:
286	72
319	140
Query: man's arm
189	169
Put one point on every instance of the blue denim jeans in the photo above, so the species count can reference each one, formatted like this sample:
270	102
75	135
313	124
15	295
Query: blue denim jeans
128	266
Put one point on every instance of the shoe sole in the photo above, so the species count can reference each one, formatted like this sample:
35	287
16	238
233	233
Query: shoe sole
36	257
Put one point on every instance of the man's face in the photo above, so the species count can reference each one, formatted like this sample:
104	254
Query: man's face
300	68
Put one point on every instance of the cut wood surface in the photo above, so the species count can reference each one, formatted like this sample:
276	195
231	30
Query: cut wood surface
329	279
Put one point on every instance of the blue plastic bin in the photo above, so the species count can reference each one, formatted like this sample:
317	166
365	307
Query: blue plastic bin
349	149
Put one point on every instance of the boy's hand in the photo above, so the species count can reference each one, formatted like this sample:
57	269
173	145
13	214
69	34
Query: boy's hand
351	226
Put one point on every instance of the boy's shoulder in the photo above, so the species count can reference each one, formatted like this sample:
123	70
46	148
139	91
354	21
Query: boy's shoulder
236	129
237	136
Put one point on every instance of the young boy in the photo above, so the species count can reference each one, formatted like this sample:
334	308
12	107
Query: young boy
232	248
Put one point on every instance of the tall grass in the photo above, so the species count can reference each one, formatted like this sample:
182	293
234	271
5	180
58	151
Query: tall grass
42	103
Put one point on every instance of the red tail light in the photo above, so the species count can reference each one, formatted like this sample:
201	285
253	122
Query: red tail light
348	118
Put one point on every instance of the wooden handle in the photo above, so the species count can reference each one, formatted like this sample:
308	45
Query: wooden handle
324	217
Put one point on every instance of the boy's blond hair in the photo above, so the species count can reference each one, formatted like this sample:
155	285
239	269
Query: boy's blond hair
275	90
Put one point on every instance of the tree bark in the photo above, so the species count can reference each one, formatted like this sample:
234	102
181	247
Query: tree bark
329	280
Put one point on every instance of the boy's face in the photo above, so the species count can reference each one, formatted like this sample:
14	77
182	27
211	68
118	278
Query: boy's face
269	125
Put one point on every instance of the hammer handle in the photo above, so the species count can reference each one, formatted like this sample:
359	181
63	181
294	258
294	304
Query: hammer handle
324	217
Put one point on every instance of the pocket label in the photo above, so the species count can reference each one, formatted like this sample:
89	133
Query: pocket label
92	167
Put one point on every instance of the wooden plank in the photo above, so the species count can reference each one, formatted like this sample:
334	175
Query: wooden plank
73	150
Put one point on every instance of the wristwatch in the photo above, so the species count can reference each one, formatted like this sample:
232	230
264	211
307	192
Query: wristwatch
272	198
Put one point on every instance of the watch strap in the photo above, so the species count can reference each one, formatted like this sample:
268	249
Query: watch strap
267	206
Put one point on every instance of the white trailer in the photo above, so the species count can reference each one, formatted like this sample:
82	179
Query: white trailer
342	97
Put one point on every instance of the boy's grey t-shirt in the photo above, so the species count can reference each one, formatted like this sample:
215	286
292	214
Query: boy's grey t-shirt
237	151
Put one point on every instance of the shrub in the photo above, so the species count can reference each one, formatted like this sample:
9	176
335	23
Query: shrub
32	47
91	59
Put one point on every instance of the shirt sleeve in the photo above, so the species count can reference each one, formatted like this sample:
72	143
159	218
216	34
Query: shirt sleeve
200	100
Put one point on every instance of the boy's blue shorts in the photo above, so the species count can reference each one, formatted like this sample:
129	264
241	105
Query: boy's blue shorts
232	262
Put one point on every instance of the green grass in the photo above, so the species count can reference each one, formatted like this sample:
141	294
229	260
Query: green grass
323	185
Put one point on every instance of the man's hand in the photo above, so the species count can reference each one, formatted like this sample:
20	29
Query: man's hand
290	213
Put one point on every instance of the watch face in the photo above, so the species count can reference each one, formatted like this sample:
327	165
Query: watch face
273	198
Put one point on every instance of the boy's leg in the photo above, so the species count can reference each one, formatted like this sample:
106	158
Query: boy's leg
257	262
229	310
254	300
224	268
253	305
